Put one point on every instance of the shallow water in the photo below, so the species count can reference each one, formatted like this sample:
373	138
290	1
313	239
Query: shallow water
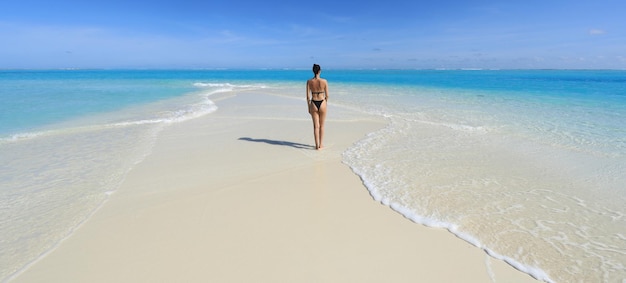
532	174
67	140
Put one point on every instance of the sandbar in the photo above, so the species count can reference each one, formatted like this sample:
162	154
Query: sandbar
241	195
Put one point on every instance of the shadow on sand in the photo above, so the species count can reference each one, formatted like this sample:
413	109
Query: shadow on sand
275	142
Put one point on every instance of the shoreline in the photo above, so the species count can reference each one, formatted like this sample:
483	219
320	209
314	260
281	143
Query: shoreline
238	196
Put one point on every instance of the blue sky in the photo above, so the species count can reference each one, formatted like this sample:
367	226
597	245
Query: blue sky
295	34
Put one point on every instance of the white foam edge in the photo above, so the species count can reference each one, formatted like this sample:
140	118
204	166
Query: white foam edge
72	230
180	115
69	234
226	86
533	271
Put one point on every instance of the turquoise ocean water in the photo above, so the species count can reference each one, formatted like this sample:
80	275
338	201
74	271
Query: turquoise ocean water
529	166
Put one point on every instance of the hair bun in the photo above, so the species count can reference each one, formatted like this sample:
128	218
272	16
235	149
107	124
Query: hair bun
316	68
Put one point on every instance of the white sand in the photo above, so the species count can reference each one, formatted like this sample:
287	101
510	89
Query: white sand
208	206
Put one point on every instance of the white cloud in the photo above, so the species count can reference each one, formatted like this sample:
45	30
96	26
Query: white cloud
597	32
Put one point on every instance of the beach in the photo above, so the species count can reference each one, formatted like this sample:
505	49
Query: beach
240	195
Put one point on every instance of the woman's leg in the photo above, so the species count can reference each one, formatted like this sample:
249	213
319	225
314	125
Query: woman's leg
321	119
316	128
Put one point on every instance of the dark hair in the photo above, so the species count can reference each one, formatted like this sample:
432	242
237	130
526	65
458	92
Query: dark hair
316	69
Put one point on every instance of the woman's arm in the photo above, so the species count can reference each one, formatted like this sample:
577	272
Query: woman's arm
308	93
308	97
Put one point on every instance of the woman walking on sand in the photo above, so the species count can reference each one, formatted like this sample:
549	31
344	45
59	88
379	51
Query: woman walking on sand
316	99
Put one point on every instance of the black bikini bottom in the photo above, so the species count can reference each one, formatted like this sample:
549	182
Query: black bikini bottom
318	103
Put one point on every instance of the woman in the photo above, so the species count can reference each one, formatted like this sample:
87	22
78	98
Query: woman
317	98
